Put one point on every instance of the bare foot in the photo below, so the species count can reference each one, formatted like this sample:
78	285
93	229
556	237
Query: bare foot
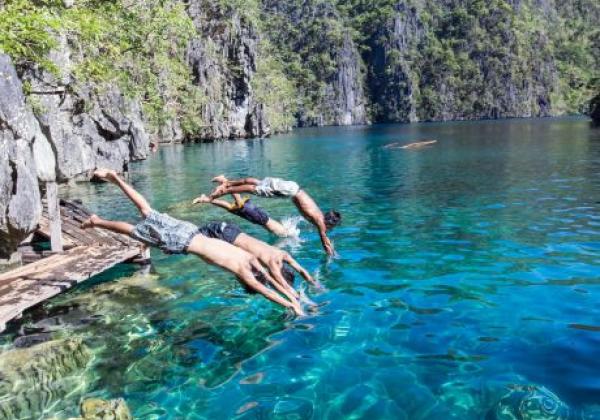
202	199
91	222
105	174
221	179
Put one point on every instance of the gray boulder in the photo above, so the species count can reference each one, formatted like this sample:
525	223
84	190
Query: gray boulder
20	136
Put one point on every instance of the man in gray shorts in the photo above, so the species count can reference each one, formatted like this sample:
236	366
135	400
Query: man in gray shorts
279	262
175	236
276	187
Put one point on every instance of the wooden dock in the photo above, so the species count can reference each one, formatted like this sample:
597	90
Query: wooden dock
81	255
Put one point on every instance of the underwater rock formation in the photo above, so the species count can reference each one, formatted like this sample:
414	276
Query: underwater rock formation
98	409
33	379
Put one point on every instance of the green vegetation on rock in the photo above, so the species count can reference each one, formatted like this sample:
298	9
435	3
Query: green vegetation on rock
317	60
140	46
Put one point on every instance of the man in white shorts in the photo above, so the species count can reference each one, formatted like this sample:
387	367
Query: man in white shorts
277	187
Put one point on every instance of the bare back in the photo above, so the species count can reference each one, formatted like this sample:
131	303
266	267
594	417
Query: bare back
261	250
220	253
308	208
311	212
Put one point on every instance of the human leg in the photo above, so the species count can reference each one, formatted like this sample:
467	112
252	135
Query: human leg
223	189
114	226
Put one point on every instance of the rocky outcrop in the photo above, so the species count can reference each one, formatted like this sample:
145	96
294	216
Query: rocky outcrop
344	102
334	92
438	62
391	75
61	131
34	378
23	148
223	61
88	126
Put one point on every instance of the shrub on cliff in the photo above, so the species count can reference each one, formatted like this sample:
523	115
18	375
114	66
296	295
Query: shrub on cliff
140	46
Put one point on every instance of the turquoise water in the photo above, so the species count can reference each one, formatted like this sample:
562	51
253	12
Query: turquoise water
464	270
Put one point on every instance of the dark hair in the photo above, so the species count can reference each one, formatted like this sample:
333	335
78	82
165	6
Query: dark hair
332	219
286	272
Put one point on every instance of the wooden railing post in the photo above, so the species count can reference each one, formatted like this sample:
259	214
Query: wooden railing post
56	242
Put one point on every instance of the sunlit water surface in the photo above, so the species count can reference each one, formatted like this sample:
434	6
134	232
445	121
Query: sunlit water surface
465	270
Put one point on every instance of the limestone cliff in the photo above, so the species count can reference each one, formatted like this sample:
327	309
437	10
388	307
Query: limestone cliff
70	133
322	58
223	58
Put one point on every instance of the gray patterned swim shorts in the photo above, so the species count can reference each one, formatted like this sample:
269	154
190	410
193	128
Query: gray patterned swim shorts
277	187
171	235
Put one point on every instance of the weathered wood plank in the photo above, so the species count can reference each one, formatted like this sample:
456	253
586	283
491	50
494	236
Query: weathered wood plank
89	252
30	285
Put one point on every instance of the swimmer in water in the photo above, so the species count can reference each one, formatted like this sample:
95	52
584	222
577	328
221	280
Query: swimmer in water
416	145
246	209
175	236
276	187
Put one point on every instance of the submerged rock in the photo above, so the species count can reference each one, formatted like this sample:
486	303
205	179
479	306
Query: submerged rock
33	379
531	403
98	409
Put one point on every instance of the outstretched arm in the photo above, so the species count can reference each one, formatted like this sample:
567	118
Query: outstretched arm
291	261
279	282
327	245
248	279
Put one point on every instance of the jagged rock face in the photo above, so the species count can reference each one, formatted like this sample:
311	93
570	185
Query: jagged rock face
223	61
391	82
20	206
86	129
71	132
342	100
345	101
402	72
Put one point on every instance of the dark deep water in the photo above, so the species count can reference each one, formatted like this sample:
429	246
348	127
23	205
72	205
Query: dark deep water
465	270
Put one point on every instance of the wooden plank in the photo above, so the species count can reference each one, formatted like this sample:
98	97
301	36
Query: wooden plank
30	285
54	217
91	251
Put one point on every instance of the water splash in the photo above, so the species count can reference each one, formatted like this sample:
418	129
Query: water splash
291	226
292	241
